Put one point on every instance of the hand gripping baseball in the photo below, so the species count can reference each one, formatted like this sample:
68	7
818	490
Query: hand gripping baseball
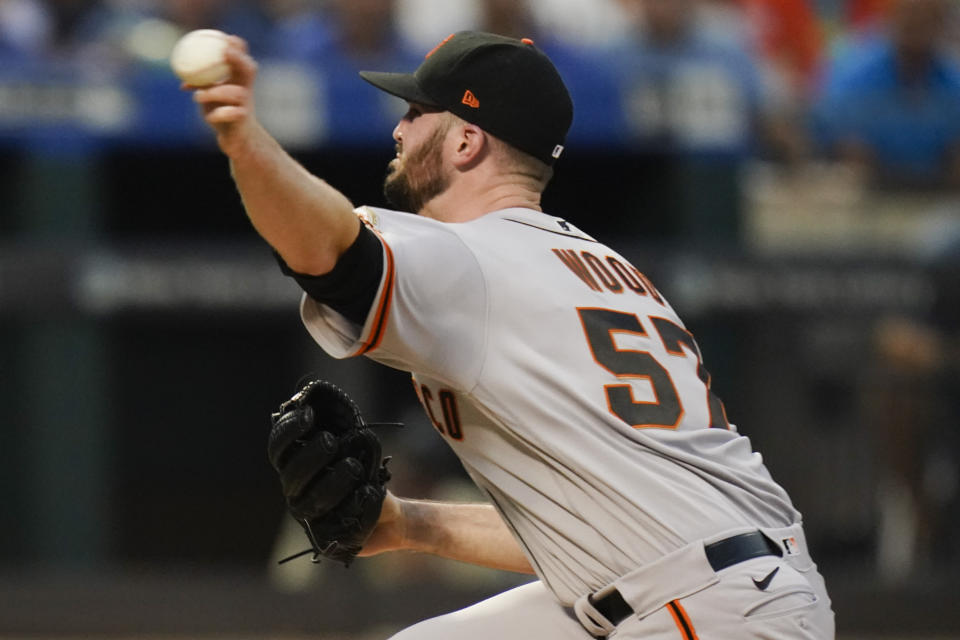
228	107
330	466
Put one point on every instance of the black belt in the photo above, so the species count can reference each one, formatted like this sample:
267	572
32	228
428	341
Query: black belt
721	554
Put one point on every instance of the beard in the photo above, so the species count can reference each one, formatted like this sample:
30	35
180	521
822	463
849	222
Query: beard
411	183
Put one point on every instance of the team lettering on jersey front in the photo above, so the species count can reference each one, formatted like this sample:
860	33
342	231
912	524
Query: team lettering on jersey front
441	409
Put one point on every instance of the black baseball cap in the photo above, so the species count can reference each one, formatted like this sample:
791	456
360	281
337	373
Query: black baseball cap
505	86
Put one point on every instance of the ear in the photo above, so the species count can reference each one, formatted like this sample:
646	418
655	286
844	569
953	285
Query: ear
468	143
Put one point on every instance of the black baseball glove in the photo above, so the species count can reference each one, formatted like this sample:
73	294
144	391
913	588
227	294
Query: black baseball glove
332	475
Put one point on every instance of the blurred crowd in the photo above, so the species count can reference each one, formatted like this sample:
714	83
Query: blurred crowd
871	81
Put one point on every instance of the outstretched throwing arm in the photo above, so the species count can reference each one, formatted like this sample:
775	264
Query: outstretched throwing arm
306	220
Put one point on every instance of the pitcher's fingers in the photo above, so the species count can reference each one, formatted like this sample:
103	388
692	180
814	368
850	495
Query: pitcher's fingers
243	67
238	42
226	114
232	94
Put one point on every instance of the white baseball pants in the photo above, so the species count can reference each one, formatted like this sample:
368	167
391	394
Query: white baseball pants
677	598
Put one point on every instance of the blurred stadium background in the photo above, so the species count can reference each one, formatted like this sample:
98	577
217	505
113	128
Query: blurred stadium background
787	171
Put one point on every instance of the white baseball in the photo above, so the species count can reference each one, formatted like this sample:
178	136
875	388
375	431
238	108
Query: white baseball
198	58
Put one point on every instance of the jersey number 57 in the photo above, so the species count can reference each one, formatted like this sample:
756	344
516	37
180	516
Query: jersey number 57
666	410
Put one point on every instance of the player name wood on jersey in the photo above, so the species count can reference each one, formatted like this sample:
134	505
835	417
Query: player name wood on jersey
611	271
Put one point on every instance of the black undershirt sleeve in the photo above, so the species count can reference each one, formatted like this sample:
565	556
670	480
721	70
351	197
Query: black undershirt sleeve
352	284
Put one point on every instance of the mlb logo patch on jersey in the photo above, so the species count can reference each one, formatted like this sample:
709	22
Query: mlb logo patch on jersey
790	546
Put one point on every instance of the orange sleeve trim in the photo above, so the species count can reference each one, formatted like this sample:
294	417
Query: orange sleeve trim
682	620
379	326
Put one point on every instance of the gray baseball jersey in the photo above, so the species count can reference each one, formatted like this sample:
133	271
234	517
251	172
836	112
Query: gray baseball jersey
566	384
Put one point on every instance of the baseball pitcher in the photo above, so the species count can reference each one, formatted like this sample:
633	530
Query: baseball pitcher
562	378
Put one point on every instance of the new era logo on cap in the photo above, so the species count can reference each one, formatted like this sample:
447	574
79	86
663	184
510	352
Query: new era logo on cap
470	100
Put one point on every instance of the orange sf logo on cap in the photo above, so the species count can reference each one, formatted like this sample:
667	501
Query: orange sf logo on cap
470	100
